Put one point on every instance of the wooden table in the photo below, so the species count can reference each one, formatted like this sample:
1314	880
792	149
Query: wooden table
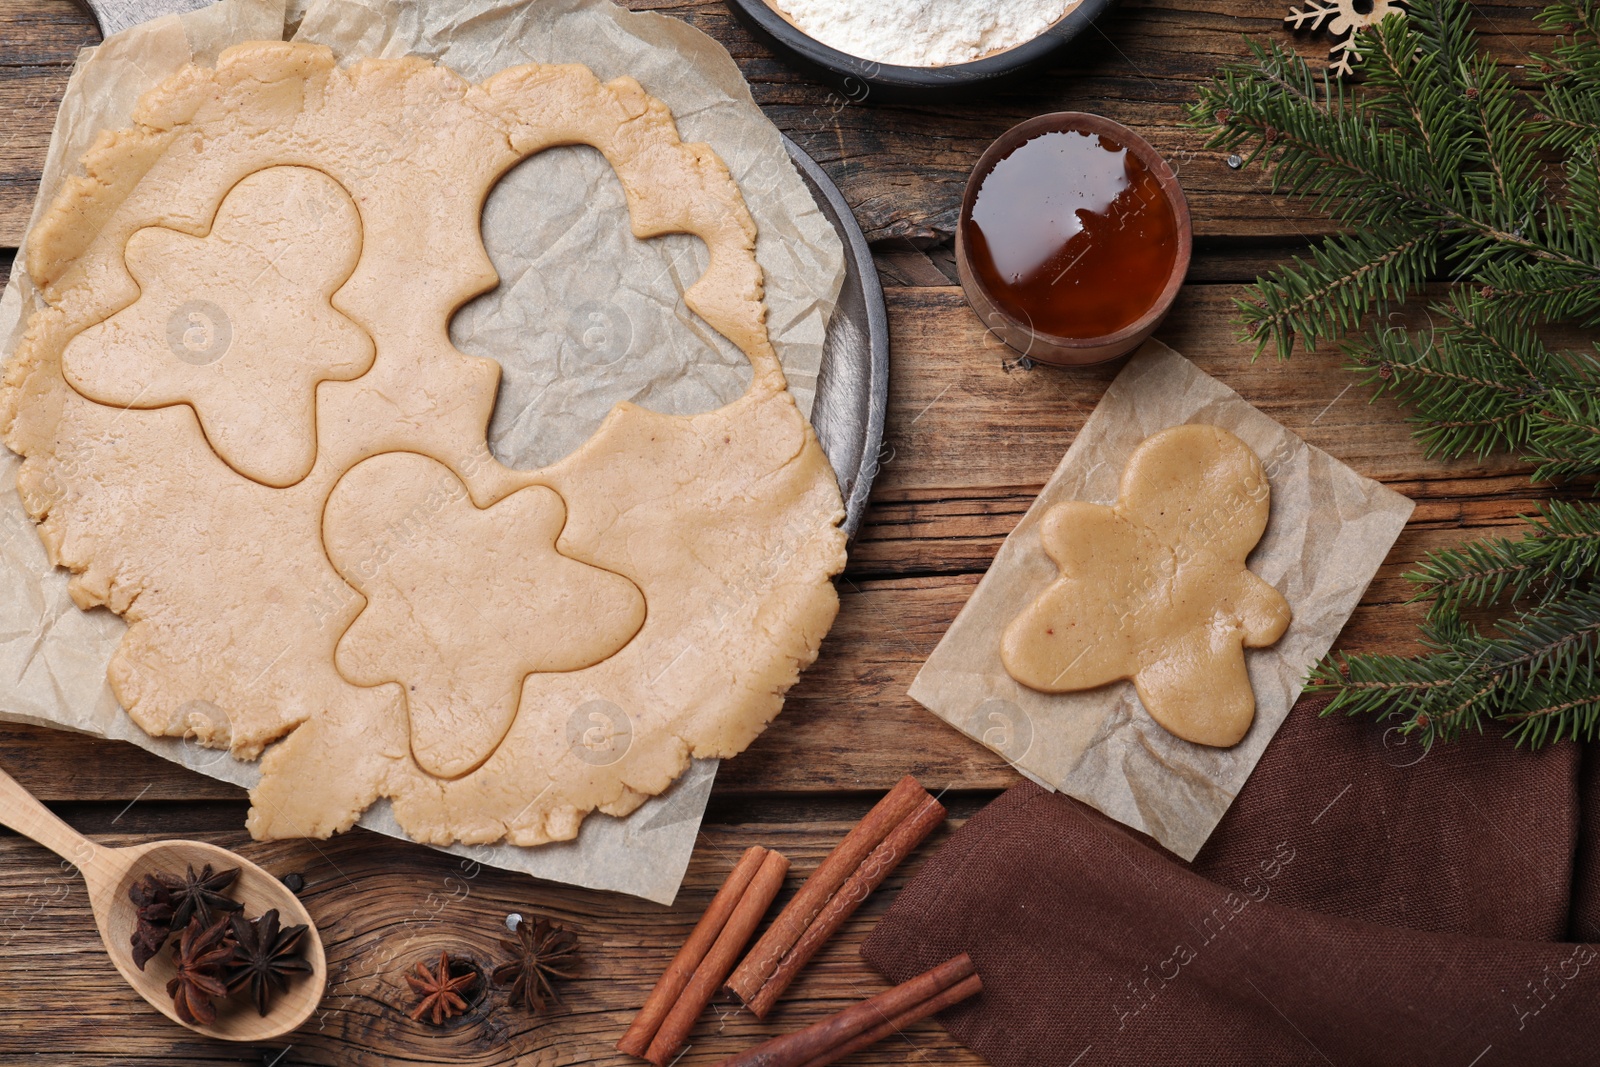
971	438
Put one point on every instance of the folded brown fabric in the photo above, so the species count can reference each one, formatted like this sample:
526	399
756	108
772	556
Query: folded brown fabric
1363	902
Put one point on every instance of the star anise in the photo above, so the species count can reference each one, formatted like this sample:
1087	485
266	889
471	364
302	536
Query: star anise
541	952
264	957
439	994
200	895
153	904
200	955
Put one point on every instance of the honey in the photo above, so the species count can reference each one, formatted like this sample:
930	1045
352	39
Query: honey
1072	234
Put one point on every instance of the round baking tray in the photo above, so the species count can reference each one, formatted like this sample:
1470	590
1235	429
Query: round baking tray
853	384
861	80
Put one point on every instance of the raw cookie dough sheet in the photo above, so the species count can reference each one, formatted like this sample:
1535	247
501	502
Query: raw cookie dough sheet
60	653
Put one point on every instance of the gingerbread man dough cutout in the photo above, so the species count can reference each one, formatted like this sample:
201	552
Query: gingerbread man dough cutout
463	603
238	324
1154	588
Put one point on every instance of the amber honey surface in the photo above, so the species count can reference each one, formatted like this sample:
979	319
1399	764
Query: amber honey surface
1072	234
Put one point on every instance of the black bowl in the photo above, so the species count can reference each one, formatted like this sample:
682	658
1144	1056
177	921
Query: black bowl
862	79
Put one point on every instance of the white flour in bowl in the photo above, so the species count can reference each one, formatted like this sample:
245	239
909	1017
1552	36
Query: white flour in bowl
923	33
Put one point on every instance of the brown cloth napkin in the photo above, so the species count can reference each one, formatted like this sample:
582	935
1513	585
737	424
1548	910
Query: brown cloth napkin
1361	903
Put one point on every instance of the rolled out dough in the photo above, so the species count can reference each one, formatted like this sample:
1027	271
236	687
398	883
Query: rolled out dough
646	600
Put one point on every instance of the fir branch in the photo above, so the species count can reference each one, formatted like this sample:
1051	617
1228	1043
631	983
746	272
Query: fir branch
1365	162
1348	276
1538	675
1532	293
1445	32
1420	94
1436	161
1311	138
1566	439
1456	382
1560	547
1502	170
1574	67
1583	189
1568	717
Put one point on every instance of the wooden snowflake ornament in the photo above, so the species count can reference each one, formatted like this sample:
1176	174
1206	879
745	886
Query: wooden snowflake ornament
1345	19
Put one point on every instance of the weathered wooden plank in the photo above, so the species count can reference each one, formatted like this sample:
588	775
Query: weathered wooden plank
966	413
42	33
849	722
38	40
931	532
383	906
901	166
845	726
56	765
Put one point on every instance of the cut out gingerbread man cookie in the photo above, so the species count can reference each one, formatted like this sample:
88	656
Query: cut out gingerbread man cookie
1154	588
238	324
464	603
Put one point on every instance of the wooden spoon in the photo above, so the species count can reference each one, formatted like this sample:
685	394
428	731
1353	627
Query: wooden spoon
110	871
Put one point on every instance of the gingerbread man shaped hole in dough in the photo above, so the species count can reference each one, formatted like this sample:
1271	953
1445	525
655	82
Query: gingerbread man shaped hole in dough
1154	588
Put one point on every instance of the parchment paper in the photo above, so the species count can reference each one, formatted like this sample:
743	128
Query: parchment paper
585	316
1329	530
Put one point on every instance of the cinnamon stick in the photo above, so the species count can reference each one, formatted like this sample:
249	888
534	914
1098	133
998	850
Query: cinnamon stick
719	959
898	805
954	995
825	1041
906	797
843	904
678	972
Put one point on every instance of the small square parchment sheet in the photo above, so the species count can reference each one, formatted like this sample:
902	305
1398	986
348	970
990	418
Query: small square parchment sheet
1329	530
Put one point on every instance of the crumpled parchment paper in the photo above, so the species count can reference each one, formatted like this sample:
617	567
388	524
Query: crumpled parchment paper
1329	531
585	316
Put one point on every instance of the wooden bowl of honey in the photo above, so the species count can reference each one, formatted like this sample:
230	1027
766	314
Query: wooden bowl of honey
1073	240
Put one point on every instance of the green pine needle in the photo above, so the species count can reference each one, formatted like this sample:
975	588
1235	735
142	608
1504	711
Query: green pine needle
1435	164
1537	671
1561	547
